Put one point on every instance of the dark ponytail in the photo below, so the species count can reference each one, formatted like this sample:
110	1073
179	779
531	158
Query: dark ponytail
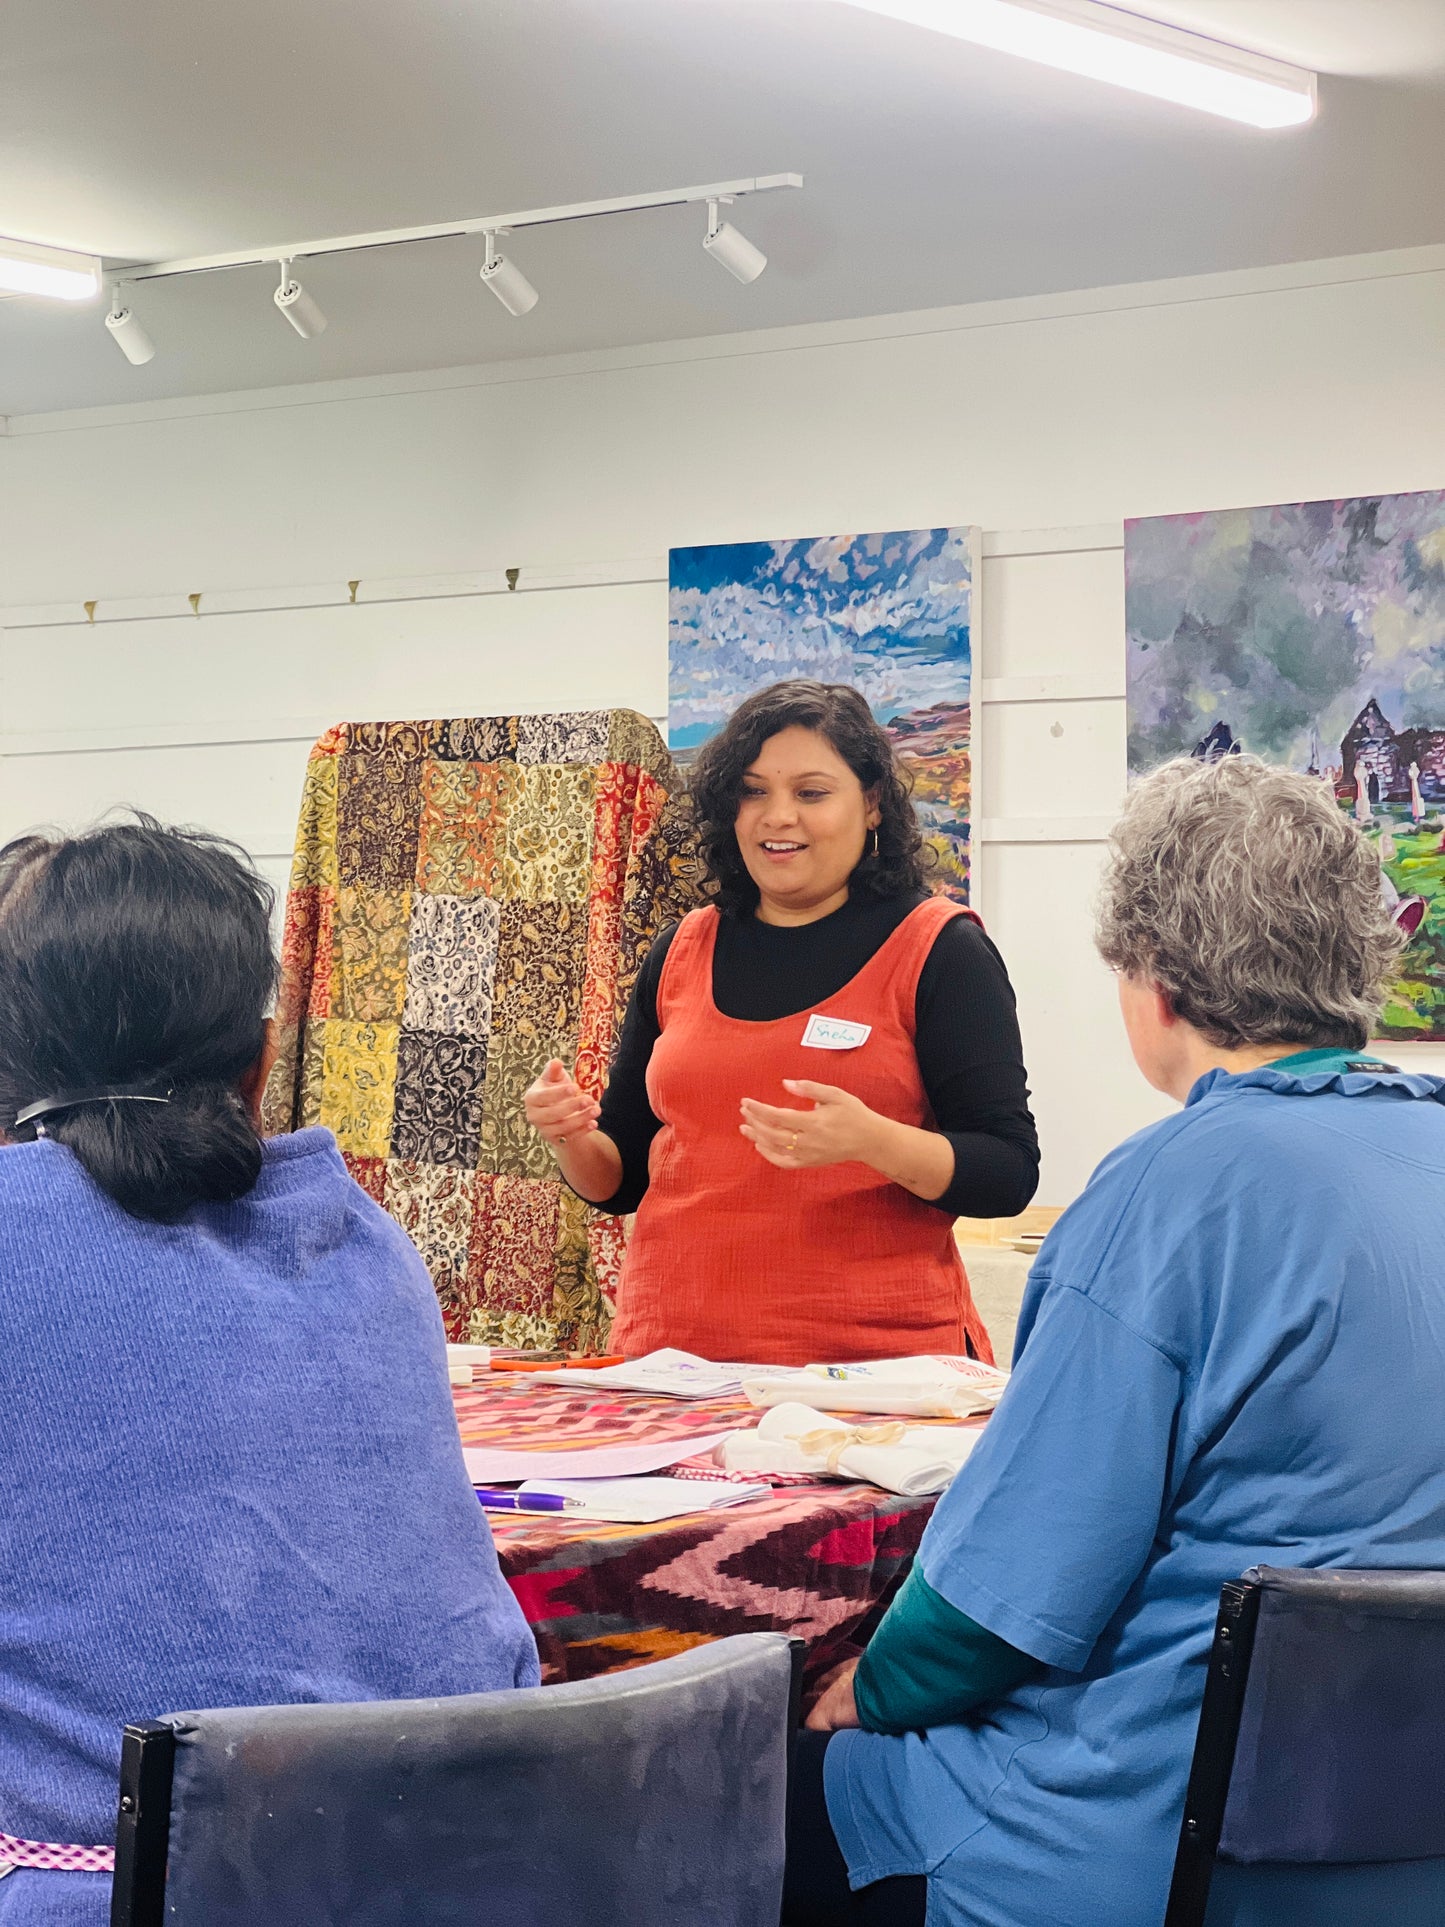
136	959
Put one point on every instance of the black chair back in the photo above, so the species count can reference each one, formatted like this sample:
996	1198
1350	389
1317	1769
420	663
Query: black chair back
1317	1789
654	1797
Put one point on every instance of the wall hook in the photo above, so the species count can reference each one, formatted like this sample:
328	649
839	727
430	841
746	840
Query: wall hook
512	575
89	608
195	602
353	587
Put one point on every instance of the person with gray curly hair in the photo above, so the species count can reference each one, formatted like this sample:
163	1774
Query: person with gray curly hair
1249	909
1231	1353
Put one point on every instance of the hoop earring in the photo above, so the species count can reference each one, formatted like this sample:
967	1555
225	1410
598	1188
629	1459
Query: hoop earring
874	850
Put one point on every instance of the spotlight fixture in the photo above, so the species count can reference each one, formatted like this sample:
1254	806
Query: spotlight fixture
298	306
127	333
28	268
507	281
733	250
1127	50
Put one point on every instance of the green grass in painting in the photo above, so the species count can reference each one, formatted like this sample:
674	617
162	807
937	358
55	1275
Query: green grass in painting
1415	1007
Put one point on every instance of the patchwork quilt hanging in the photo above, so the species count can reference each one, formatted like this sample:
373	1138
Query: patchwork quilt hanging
468	899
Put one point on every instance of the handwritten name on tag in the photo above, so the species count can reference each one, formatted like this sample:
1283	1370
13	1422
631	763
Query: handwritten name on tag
831	1033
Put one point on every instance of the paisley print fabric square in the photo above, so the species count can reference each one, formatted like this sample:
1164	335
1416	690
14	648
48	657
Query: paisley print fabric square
369	959
541	952
300	990
439	1085
358	1084
580	738
451	964
509	1145
476	739
547	844
377	820
434	1205
318	1003
315	860
470	897
576	1306
514	1254
663	879
370	1174
611	833
391	744
464	807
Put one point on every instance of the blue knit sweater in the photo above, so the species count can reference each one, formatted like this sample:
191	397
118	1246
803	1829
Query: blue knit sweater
229	1476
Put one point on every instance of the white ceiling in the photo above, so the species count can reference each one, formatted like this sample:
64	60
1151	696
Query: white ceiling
936	172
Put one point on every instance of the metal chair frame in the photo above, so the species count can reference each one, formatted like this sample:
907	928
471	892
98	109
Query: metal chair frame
1213	1764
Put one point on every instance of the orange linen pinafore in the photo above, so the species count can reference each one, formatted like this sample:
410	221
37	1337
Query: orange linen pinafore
733	1258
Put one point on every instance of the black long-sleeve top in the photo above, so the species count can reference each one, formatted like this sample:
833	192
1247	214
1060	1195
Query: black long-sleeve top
967	1040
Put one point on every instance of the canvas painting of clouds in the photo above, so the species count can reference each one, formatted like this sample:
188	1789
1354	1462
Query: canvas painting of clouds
1312	634
889	613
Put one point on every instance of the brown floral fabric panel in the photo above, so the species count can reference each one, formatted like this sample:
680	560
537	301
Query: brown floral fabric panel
541	950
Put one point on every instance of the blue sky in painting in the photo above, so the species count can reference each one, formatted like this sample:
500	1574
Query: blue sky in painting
888	613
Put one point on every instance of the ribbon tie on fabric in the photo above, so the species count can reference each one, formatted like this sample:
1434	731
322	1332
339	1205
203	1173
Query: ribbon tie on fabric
833	1444
54	1856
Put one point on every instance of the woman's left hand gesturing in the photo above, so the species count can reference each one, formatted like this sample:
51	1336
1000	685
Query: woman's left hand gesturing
839	1127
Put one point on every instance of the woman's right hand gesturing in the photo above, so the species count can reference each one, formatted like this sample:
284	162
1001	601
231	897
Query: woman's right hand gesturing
557	1107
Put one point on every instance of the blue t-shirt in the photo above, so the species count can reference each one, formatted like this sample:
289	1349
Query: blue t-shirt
1231	1352
230	1475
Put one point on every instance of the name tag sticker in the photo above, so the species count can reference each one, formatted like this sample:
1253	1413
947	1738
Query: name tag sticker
831	1033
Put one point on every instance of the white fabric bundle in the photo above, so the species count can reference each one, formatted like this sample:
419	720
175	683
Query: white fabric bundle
903	1387
910	1459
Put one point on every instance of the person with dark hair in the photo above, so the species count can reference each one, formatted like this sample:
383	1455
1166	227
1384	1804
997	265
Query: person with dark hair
817	1074
230	1473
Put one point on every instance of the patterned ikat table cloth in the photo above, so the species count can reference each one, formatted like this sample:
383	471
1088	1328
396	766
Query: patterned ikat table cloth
818	1561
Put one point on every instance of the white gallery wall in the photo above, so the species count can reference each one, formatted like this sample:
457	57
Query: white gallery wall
263	565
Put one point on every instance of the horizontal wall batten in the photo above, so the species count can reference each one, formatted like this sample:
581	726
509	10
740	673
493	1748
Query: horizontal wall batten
1049	689
199	605
162	737
1000	543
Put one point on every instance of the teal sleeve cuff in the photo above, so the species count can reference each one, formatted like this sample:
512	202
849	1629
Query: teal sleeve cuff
928	1664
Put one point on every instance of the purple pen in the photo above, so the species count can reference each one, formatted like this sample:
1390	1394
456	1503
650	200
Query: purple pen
500	1501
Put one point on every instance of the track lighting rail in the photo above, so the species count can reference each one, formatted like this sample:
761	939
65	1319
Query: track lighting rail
444	230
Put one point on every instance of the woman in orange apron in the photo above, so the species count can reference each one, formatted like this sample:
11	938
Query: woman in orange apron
817	1073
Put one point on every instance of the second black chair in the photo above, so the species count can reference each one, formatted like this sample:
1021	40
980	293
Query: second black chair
1316	1796
648	1798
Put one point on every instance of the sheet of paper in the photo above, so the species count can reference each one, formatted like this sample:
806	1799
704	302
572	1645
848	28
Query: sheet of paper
642	1501
497	1465
669	1373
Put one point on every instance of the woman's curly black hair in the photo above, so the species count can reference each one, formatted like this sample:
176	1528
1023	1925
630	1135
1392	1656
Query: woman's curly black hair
838	712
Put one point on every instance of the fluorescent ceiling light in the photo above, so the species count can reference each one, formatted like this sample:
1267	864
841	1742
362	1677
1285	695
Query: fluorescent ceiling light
28	268
1106	43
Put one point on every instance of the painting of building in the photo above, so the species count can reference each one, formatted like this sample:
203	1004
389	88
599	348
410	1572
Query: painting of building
1312	634
889	613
